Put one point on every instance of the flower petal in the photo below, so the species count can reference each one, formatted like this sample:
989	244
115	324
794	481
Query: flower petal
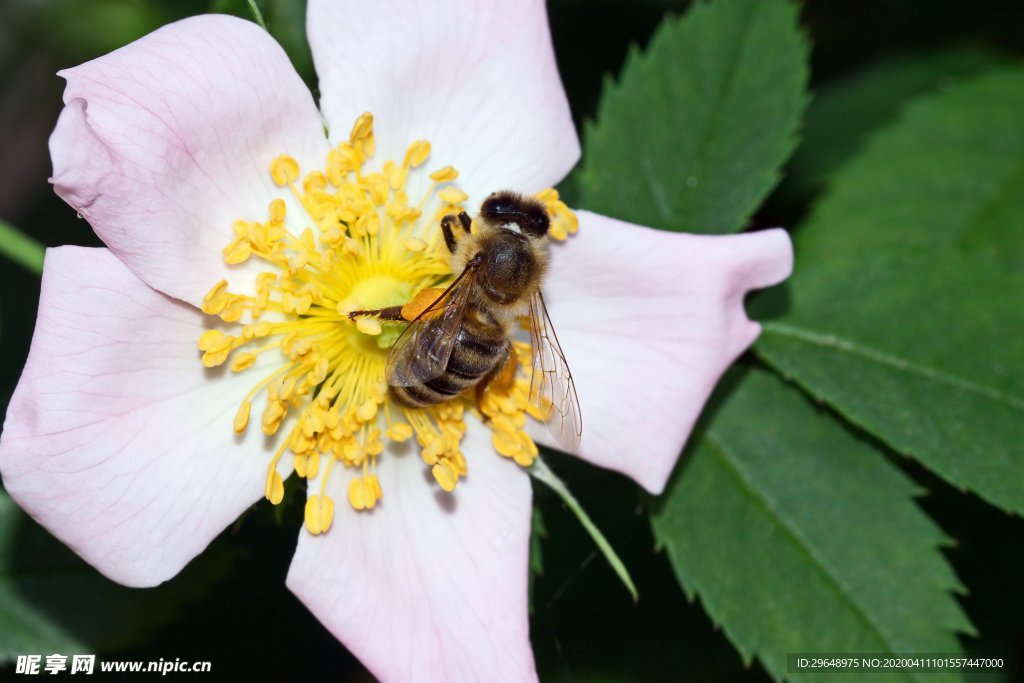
164	143
476	79
429	586
649	320
116	439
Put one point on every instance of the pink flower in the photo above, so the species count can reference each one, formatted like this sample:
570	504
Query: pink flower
120	442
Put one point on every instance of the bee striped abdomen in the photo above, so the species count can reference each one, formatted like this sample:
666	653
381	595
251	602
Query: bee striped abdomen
480	345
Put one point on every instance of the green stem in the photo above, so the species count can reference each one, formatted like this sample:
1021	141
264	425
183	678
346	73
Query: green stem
541	472
21	248
257	14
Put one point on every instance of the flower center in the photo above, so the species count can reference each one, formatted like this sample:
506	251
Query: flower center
361	245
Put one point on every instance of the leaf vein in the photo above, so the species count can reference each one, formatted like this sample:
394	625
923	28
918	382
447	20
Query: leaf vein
729	461
830	341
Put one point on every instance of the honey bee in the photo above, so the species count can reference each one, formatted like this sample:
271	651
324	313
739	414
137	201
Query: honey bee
463	339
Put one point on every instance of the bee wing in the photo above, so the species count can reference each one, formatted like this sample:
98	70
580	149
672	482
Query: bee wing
552	391
422	351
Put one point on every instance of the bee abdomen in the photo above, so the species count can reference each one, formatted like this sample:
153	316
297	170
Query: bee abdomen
478	349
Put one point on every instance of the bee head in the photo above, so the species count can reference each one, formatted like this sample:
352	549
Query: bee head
507	208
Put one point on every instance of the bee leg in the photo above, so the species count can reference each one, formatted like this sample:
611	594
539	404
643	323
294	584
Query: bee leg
501	377
390	313
446	227
449	236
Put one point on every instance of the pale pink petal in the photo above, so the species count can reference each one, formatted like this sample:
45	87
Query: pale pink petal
164	143
476	79
649	320
429	586
116	439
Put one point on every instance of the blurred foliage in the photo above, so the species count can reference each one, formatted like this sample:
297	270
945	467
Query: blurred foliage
821	502
844	111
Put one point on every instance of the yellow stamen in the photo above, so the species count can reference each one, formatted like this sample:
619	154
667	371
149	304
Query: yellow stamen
242	417
319	514
284	170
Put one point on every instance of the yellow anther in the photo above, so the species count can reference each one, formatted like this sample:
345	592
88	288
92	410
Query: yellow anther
396	175
528	444
212	359
359	494
312	465
214	340
262	329
274	490
319	373
452	195
547	196
370	326
314	182
319	513
277	210
216	299
362	128
459	462
432	451
402	213
284	170
379	391
237	252
445	475
242	417
273	416
416	154
374	446
399	432
353	247
506	443
367	411
376	185
415	244
444	175
374	483
242	361
523	458
567	217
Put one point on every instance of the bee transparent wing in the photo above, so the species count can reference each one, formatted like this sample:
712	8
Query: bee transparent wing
552	391
422	351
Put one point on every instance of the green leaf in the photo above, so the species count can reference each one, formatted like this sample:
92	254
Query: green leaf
904	312
51	601
949	173
846	110
693	135
20	248
800	537
923	350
